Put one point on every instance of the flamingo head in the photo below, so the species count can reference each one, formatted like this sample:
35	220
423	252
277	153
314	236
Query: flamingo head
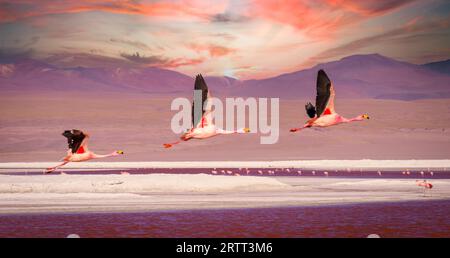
365	116
119	152
246	130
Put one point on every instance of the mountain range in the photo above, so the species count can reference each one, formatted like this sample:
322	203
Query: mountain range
356	76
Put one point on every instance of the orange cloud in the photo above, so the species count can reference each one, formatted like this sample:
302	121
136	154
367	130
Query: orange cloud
369	7
323	18
213	50
20	9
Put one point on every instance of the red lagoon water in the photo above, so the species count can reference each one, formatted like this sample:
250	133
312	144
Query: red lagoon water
404	219
354	173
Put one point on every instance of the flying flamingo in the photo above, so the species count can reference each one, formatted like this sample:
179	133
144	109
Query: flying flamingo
324	115
78	149
203	127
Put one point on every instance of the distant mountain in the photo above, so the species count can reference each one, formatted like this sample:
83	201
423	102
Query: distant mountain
32	75
358	76
441	66
95	74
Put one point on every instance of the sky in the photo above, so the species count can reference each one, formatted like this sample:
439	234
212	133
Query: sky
245	39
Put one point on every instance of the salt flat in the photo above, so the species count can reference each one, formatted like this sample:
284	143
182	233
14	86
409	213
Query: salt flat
106	193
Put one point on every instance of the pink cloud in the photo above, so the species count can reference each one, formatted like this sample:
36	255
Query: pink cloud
323	18
20	9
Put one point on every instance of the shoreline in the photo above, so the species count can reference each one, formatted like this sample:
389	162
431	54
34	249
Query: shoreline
382	165
232	208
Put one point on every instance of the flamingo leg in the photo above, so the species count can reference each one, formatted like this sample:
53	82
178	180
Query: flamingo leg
49	170
168	145
293	130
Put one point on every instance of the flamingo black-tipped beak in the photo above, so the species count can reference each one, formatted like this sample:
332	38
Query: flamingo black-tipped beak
247	130
120	152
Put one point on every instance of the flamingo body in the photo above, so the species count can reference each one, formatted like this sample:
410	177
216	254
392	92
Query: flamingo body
324	114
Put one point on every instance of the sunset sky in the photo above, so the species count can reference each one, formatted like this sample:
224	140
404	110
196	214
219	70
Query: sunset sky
243	39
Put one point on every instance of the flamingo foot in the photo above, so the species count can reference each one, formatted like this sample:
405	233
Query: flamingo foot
49	170
293	130
167	145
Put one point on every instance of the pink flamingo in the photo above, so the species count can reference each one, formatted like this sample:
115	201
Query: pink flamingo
425	185
203	128
324	115
78	149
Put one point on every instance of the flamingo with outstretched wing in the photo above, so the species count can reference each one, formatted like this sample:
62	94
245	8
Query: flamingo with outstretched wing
324	114
203	126
78	149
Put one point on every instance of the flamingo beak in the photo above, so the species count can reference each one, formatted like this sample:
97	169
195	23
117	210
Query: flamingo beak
119	152
246	130
365	116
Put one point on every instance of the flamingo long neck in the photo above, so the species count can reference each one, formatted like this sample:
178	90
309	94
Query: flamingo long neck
347	120
99	156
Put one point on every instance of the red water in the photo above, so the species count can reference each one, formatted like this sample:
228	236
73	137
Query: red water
356	173
405	219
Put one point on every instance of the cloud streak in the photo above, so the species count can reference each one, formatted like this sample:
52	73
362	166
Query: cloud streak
132	43
158	61
402	34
